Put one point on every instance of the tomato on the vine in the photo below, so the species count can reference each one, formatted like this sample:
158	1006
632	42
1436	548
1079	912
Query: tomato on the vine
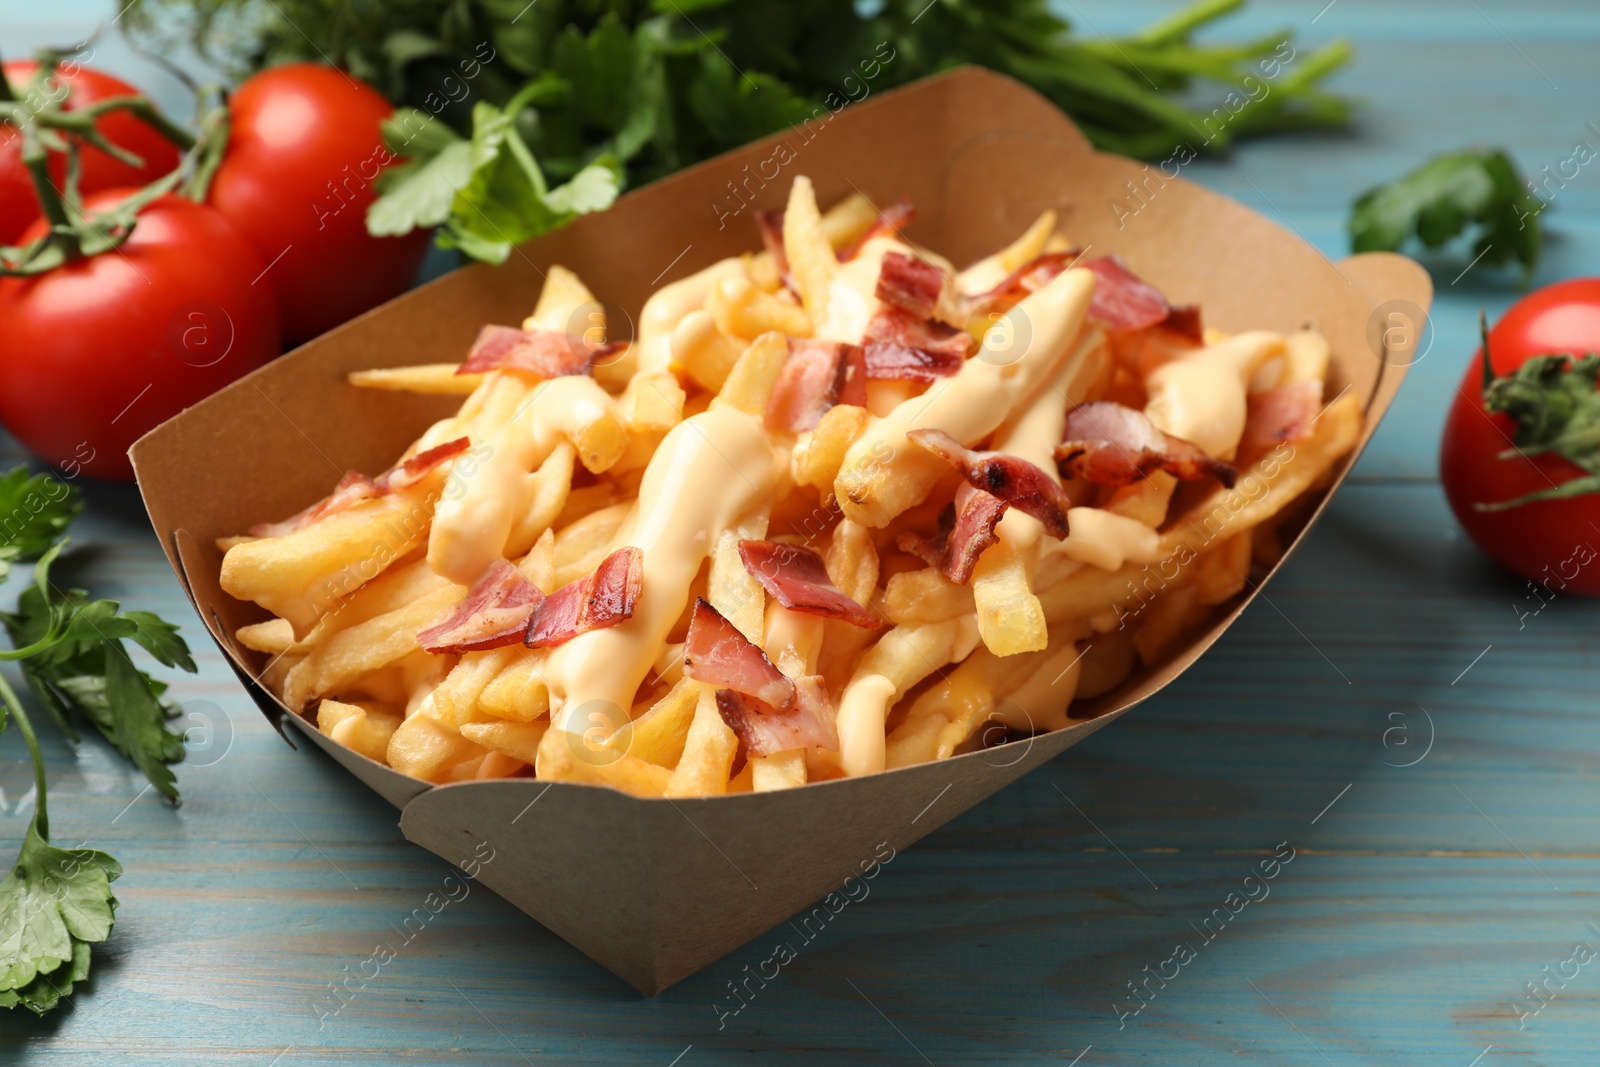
1520	459
304	148
98	351
19	204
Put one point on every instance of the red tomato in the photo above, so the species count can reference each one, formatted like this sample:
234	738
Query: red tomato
297	178
95	353
19	205
1552	541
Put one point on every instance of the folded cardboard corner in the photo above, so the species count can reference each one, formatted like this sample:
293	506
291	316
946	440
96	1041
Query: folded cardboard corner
657	889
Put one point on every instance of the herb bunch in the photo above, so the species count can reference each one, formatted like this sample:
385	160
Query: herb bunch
615	93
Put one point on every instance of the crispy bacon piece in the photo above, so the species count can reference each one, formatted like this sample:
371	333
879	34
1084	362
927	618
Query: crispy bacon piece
905	346
495	613
1284	413
1015	481
798	579
539	353
604	598
816	376
1122	300
966	528
716	653
413	470
910	284
770	225
1028	278
807	721
355	487
1109	444
894	218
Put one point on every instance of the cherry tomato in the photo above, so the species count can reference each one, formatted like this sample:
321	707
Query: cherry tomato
19	205
296	180
95	353
1551	541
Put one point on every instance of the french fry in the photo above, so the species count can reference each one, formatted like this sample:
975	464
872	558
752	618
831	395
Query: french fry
652	402
852	562
564	757
539	565
846	221
1166	622
702	351
782	770
551	484
1010	618
566	306
744	311
499	765
435	379
730	587
812	262
926	596
1107	661
708	752
425	748
455	700
1223	570
364	728
817	465
275	636
519	693
303	575
659	734
581	546
519	740
762	270
1146	500
751	380
1026	248
1305	357
365	647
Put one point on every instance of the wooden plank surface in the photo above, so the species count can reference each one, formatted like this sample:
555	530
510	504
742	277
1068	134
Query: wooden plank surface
1420	902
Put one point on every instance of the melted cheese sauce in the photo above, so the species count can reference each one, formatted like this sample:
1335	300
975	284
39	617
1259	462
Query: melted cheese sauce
709	470
474	517
1019	355
1202	397
667	306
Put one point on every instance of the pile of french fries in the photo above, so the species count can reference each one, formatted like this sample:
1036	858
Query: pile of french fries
952	668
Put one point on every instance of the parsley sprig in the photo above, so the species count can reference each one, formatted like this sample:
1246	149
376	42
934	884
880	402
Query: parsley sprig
1476	190
72	652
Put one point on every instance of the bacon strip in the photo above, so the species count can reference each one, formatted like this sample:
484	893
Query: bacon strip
539	353
604	598
807	721
413	470
1122	300
904	346
966	529
1109	444
798	579
1284	413
494	614
910	284
770	225
816	376
891	220
1015	481
716	653
355	487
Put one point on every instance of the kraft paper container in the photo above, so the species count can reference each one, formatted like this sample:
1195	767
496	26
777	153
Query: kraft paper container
656	889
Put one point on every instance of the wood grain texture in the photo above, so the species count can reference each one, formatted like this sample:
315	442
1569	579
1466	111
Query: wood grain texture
1420	901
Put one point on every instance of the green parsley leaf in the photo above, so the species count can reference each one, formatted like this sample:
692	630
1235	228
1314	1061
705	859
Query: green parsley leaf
1443	198
52	905
34	512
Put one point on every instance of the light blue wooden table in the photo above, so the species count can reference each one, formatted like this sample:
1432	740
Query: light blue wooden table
1421	902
